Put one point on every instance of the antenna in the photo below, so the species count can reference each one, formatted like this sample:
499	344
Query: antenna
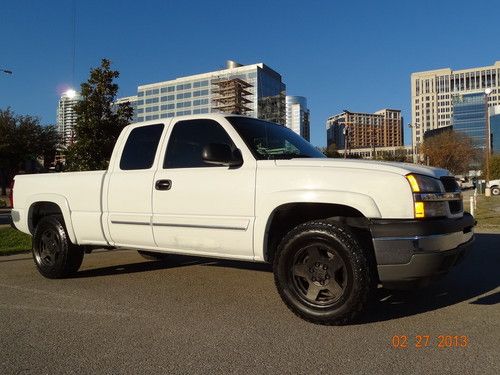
74	45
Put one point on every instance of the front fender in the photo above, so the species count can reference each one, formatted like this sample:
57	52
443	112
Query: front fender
265	209
361	202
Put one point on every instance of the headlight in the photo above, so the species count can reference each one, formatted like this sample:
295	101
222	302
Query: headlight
428	195
424	184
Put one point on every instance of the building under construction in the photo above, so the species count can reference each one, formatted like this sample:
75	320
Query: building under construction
231	96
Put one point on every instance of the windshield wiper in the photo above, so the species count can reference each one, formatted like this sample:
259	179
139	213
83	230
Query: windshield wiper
288	156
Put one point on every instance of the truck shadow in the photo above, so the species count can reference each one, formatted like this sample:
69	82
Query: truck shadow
477	275
472	280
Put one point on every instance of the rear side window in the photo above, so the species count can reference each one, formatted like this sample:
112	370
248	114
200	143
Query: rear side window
188	139
140	150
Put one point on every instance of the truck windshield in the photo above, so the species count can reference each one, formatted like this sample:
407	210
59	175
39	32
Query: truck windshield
267	140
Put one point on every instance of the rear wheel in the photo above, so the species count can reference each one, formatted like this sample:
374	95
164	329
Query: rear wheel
322	274
495	190
151	255
54	254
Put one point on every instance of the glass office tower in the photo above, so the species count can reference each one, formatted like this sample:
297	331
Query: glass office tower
469	117
194	94
297	115
495	129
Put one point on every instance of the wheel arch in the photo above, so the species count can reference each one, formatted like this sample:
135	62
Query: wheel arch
287	216
42	205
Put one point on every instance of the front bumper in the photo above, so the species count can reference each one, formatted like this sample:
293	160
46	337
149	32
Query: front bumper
412	253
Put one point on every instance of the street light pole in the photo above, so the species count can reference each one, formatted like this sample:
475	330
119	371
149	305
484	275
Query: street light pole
487	147
346	132
414	148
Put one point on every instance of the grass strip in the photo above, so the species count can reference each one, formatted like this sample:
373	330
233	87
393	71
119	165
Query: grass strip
13	241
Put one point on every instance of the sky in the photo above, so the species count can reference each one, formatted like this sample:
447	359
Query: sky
354	55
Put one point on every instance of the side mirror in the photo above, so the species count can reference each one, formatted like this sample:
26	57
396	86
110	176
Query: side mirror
221	154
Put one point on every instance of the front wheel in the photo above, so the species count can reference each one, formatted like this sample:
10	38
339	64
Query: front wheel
322	274
495	190
54	254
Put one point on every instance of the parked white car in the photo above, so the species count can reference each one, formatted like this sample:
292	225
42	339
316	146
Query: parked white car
494	186
234	187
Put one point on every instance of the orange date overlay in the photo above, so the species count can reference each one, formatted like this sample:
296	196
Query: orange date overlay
428	341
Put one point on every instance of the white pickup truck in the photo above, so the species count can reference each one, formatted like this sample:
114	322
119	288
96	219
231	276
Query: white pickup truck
234	187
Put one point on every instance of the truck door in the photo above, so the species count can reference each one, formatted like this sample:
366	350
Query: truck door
130	187
199	208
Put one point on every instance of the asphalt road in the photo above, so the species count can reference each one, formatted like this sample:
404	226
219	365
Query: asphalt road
122	314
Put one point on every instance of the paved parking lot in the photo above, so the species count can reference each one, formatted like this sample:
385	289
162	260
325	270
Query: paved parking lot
122	314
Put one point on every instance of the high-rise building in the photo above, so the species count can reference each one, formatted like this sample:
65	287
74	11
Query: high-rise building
66	116
260	93
383	128
132	100
469	117
432	94
495	129
297	115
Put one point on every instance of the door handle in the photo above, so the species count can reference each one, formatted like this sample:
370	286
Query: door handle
163	184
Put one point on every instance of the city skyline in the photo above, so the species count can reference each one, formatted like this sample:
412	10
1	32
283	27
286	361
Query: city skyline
318	53
435	93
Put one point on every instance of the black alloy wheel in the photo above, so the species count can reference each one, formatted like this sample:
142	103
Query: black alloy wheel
54	254
319	275
323	274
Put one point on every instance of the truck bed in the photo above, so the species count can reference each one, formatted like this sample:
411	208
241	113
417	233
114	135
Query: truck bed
80	193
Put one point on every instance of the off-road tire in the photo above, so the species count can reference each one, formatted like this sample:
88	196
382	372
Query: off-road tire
152	255
347	290
54	255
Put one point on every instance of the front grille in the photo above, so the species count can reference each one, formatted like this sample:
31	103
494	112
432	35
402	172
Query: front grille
451	186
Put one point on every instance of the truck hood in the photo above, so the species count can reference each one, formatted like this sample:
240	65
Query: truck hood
370	165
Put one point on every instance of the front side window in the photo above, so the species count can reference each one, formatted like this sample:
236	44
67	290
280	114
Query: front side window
267	140
187	140
140	149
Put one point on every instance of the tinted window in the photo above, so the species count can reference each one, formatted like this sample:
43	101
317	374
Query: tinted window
267	140
140	149
187	141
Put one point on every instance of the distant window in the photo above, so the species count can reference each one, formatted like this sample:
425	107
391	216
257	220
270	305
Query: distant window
140	93
167	106
151	100
167	98
140	150
188	139
185	86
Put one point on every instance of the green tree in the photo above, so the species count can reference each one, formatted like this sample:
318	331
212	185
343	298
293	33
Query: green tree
332	151
450	150
22	139
494	167
398	155
98	121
